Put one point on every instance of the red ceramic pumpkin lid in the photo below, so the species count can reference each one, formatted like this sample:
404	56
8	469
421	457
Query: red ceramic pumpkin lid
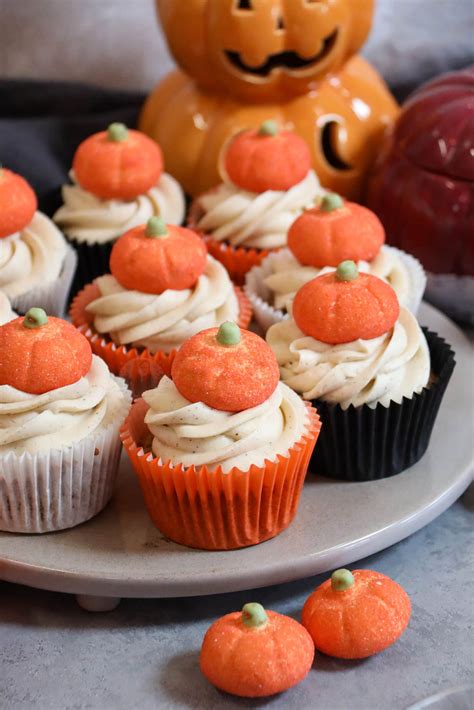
436	127
345	305
267	158
40	353
227	368
156	257
18	203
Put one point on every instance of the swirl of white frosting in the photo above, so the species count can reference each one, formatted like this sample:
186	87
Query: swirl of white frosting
53	420
195	434
288	275
88	219
382	369
6	312
248	219
163	322
32	257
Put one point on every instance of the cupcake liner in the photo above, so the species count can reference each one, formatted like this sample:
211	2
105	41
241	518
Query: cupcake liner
365	444
52	296
61	488
259	295
116	356
141	375
416	274
452	294
212	510
92	261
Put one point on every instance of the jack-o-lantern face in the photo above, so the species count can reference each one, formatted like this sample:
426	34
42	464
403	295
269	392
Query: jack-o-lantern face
263	49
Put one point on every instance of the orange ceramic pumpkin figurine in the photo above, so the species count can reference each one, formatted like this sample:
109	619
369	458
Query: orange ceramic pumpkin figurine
118	163
255	653
356	614
40	354
18	203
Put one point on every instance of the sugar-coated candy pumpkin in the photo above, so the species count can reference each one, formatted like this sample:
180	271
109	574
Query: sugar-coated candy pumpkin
267	159
40	353
334	231
345	305
156	257
356	614
18	203
255	653
227	368
118	163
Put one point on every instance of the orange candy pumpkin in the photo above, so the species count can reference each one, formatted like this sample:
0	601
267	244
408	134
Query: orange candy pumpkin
345	305
40	353
18	203
156	257
118	163
267	159
255	653
334	231
227	368
355	615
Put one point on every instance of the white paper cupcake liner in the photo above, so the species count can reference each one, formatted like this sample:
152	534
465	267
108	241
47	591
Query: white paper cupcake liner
416	274
452	294
61	488
52	296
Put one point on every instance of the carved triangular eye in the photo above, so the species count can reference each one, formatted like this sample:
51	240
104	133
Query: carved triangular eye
244	5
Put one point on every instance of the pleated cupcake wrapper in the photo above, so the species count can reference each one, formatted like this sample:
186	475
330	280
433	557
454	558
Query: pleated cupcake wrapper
92	261
52	296
452	294
212	510
365	444
142	374
61	488
116	356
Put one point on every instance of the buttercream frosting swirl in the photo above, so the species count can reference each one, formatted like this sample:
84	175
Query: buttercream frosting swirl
32	257
61	417
380	370
6	312
163	322
88	219
193	434
248	219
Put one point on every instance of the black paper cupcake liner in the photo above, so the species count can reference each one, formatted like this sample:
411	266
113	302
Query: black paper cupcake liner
93	260
365	444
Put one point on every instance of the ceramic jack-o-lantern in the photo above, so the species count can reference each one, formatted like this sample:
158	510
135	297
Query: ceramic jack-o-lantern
292	60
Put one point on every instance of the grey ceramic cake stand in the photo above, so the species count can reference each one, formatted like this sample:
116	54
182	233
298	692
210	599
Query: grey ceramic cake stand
120	553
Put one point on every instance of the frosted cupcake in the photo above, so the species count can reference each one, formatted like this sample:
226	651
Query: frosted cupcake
6	312
222	447
163	287
376	379
36	264
60	414
268	182
118	183
318	241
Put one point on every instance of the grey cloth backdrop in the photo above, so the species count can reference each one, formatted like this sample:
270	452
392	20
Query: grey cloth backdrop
118	43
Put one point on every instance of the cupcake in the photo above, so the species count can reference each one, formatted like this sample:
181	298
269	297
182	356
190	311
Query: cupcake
221	448
375	377
60	414
163	288
6	312
36	264
268	182
118	183
318	241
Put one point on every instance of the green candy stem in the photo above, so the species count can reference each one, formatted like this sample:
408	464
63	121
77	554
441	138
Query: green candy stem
35	318
254	615
117	132
330	202
228	334
347	271
341	580
156	227
268	128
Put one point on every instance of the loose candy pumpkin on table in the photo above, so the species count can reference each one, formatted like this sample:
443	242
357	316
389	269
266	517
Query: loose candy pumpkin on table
18	203
356	614
255	653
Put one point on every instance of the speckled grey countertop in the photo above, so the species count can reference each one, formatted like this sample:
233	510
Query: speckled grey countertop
53	656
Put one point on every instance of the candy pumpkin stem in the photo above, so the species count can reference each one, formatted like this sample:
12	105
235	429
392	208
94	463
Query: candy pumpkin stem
228	334
35	318
268	128
254	615
331	201
347	271
341	580
156	227
117	132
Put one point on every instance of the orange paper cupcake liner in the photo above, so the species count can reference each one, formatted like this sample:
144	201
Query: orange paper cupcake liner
212	510
116	356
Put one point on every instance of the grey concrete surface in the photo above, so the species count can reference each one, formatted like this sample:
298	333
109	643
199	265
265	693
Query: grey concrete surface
144	655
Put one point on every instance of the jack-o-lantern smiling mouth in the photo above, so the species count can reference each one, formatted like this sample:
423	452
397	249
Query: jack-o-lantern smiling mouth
289	61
